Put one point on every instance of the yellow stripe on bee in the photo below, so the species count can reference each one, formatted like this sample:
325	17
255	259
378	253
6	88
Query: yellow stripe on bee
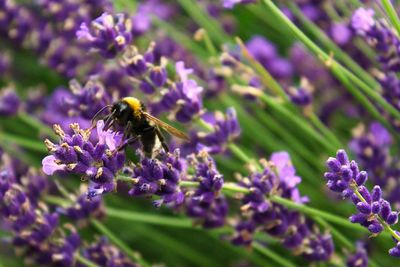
134	103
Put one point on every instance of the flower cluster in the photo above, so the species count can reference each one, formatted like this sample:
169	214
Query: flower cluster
103	253
109	34
9	102
159	177
207	203
374	212
297	233
98	160
35	229
226	129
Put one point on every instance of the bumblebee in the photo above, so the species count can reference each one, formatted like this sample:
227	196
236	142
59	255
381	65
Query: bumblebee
131	114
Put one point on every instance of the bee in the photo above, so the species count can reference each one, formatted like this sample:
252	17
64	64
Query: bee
131	114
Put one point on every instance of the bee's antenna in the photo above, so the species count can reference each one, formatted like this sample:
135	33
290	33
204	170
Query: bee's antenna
98	113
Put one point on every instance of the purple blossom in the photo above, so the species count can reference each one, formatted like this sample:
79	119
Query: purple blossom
159	177
107	34
83	209
363	20
207	204
278	178
266	53
231	3
226	129
359	258
98	160
35	230
103	253
374	212
9	102
372	148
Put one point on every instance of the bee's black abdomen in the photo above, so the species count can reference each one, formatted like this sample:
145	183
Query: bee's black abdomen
148	139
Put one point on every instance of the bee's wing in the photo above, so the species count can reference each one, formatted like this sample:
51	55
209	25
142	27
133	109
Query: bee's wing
166	127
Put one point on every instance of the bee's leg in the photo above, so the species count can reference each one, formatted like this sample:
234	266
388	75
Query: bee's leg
126	143
162	139
127	130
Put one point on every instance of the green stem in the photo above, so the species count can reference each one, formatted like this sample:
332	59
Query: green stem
274	256
204	20
325	130
118	242
23	142
300	123
36	124
149	218
334	66
266	77
180	38
85	261
330	45
391	12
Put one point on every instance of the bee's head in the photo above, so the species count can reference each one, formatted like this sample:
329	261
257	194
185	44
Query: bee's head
120	112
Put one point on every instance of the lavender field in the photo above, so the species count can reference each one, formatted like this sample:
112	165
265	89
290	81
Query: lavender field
199	133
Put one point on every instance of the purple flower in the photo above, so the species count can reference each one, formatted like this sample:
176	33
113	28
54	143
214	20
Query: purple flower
231	3
374	212
359	258
36	232
183	97
83	209
226	129
103	253
207	204
159	177
98	160
9	102
107	34
296	233
362	20
372	149
266	53
341	33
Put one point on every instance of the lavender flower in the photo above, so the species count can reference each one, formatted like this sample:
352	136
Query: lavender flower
99	160
103	253
359	258
226	129
160	177
83	209
266	53
374	212
108	34
372	148
35	230
296	232
9	102
207	204
231	3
